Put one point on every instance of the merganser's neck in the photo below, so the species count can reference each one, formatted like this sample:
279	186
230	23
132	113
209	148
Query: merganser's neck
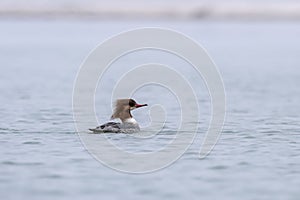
123	108
122	115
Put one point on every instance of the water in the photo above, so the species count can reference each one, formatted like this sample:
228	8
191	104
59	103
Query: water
232	9
257	156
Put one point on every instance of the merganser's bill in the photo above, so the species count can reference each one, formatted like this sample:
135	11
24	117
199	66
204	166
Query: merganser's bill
122	112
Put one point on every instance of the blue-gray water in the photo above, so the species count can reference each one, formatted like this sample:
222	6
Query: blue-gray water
257	156
233	9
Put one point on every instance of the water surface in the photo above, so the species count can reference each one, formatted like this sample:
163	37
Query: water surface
257	155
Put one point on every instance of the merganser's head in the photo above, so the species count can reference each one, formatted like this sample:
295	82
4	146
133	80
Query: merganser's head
133	105
123	107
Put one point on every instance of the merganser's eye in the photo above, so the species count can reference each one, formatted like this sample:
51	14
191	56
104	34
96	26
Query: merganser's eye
131	103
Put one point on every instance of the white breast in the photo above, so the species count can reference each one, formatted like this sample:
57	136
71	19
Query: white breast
130	121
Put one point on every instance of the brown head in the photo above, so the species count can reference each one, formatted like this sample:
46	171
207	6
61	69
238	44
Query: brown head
123	108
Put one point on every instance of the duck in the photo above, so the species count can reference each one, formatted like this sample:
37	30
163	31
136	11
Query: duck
122	111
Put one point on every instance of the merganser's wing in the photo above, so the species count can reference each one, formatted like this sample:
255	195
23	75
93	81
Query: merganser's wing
110	127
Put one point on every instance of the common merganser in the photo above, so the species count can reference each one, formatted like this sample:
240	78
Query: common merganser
121	111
